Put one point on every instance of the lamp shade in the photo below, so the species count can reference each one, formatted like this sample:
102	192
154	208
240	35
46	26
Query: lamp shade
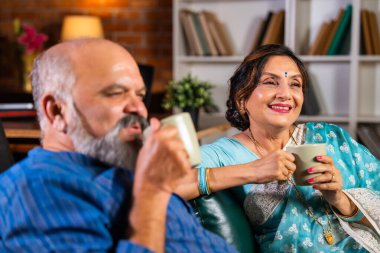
79	26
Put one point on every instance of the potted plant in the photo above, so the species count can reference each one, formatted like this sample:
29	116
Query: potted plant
189	94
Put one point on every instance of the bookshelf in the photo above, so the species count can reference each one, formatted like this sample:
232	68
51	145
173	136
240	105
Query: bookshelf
348	86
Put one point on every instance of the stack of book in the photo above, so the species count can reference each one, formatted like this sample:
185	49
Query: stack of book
204	34
369	136
369	33
333	37
15	111
271	30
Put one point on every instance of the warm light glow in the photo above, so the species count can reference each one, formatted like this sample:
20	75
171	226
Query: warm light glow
79	26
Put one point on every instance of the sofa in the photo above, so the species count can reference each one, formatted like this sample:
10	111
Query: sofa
222	213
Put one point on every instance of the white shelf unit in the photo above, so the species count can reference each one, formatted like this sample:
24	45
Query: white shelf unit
348	86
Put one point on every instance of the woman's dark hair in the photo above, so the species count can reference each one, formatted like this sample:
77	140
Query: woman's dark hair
247	76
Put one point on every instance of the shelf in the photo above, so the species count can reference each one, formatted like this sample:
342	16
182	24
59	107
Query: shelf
347	86
325	58
369	58
211	59
323	118
369	119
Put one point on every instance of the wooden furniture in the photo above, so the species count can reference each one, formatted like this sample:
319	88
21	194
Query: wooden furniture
348	85
22	135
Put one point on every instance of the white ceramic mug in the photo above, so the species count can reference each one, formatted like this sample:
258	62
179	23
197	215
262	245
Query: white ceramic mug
187	134
305	158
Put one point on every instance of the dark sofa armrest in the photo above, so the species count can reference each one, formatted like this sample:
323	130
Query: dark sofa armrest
223	214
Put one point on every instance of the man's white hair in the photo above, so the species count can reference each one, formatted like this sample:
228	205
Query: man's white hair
53	72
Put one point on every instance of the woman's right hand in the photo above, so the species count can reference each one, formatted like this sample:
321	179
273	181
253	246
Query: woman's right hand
277	165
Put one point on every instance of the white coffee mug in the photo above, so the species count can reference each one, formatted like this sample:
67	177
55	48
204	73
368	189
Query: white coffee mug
187	134
305	158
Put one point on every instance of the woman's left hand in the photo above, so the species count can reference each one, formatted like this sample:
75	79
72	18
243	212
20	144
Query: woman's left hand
330	182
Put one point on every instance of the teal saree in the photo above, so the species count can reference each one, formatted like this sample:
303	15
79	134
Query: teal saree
280	219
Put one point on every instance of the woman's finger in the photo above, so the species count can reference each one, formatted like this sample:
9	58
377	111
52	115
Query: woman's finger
333	186
324	159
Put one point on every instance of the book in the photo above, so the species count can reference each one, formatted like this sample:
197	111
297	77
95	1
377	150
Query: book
218	35
195	39
374	30
316	47
207	33
224	36
200	34
342	30
279	29
189	40
275	31
263	30
365	33
334	28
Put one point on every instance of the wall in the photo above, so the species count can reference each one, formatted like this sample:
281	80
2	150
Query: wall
142	26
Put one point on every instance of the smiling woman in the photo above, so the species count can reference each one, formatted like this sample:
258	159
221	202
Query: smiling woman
265	100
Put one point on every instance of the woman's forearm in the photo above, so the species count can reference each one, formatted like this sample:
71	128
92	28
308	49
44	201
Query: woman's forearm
219	179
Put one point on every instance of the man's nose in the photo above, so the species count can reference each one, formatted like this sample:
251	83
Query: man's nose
136	105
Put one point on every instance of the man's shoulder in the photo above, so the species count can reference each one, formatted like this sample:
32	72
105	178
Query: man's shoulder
42	166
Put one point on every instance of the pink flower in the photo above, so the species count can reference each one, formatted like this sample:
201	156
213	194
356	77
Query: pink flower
31	39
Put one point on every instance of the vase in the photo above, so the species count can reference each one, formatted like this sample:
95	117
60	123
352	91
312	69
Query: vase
194	113
27	65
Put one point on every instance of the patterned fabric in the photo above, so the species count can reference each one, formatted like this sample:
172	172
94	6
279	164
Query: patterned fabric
280	219
68	202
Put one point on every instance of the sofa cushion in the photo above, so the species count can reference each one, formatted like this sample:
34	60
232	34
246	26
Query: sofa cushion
222	213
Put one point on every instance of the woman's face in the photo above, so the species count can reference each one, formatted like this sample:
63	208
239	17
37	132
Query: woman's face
278	97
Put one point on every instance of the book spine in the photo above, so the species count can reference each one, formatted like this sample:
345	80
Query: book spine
374	32
206	32
194	35
200	34
333	31
187	32
342	29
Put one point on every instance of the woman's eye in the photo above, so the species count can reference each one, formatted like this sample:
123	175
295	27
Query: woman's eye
270	83
298	85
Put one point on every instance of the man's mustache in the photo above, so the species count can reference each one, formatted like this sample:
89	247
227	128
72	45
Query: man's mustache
131	119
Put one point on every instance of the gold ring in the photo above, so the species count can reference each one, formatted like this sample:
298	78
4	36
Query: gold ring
332	178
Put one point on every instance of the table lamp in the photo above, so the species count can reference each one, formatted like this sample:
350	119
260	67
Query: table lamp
80	26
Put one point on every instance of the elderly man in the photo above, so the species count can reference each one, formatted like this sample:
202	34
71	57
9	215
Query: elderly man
76	193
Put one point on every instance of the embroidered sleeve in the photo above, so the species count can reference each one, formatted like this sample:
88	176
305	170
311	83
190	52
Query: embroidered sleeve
368	202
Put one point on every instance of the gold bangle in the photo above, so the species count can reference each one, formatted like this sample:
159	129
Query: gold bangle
207	181
354	213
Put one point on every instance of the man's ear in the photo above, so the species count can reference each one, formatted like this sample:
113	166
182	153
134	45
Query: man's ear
54	111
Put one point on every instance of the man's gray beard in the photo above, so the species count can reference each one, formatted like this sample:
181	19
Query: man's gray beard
109	148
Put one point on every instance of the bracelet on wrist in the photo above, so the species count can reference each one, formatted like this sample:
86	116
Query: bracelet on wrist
356	216
203	186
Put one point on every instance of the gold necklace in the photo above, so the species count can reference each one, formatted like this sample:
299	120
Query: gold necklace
327	233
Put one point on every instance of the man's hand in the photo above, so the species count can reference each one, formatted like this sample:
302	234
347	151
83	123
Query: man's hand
161	163
163	159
